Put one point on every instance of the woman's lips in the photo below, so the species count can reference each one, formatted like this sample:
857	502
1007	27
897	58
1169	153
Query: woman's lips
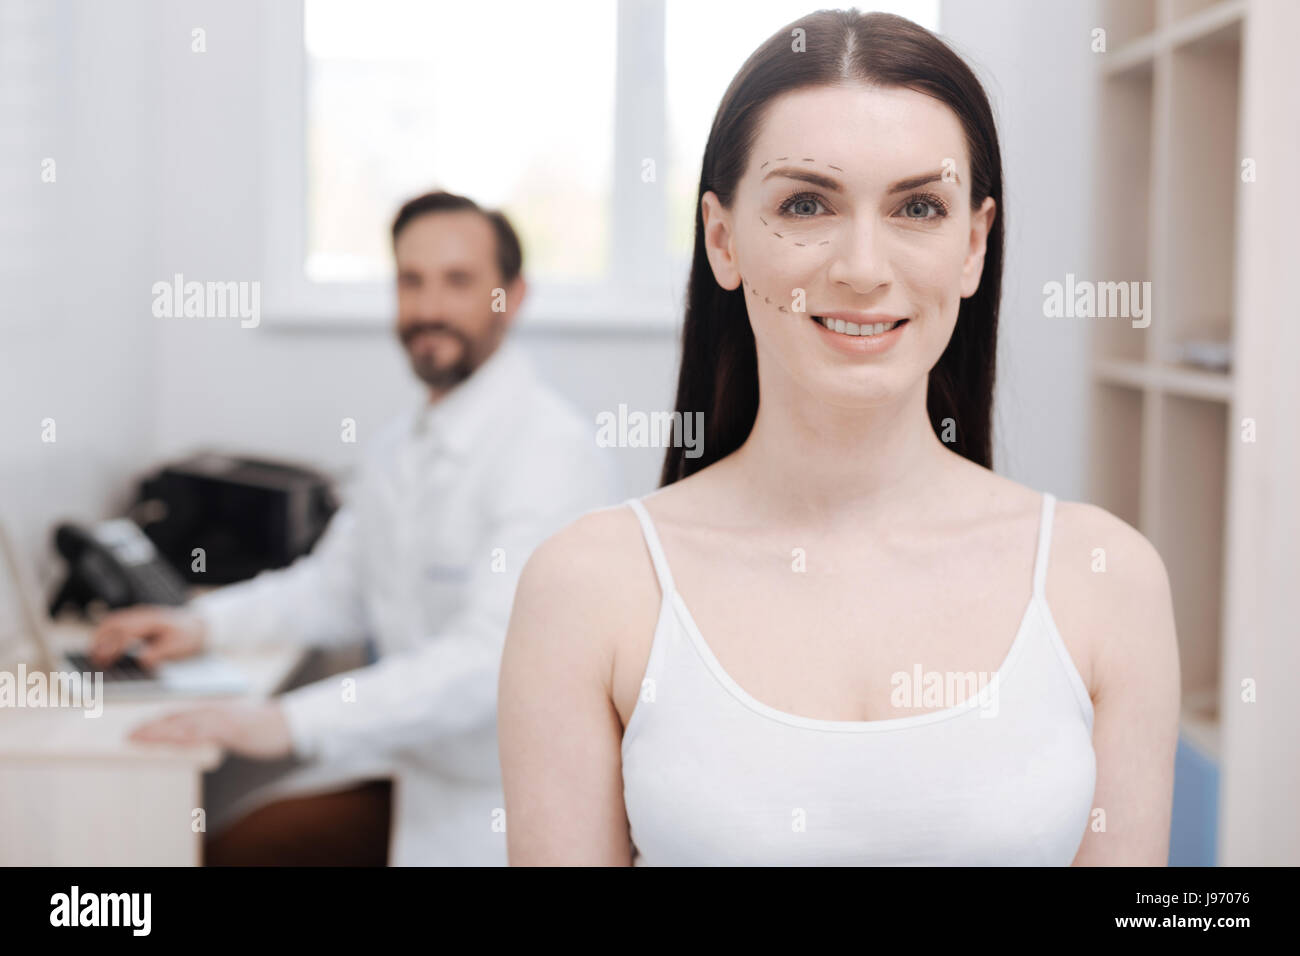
862	318
858	344
852	328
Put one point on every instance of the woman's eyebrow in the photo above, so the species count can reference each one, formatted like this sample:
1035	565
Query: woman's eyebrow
832	185
805	175
903	185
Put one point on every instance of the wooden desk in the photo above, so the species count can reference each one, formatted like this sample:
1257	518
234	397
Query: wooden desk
74	791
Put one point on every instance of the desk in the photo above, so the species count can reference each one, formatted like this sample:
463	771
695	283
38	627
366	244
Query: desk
74	791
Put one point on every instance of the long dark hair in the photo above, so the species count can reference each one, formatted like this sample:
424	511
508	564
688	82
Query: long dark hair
719	372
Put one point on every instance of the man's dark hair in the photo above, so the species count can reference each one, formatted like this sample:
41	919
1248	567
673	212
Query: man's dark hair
510	255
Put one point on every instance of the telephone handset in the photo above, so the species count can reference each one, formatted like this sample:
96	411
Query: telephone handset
116	563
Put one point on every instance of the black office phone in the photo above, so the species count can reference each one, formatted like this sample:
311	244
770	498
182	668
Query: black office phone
114	562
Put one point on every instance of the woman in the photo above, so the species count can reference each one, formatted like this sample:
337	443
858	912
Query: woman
833	637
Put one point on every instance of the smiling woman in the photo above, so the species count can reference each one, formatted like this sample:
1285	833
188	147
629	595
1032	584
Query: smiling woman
710	675
924	110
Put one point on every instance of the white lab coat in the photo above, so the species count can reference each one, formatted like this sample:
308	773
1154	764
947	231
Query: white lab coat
424	557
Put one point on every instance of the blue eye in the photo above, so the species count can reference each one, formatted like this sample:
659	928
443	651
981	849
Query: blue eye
922	202
802	206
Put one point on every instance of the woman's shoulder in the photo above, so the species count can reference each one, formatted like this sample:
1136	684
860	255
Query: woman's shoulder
1109	591
607	548
592	550
1092	539
1080	527
592	577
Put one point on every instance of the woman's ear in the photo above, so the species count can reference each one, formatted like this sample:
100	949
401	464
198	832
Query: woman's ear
718	241
980	224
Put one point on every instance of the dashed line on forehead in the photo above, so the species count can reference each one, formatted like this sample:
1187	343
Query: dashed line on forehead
804	159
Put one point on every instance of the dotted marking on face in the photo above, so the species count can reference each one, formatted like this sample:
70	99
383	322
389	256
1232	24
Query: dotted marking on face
757	294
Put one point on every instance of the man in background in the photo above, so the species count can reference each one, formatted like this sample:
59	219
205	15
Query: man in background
423	558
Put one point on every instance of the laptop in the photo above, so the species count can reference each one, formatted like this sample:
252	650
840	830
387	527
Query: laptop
201	675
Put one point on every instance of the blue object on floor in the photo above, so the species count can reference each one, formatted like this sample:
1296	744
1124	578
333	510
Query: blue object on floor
1194	829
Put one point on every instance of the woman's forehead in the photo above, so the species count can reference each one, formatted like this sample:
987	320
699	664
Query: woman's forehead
872	135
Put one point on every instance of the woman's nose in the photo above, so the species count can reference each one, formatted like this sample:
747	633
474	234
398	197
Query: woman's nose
860	258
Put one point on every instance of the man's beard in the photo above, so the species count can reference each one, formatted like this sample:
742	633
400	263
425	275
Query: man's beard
427	369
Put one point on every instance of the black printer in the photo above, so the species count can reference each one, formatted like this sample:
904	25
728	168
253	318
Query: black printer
247	514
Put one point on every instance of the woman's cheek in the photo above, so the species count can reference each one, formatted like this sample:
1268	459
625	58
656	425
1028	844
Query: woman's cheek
776	283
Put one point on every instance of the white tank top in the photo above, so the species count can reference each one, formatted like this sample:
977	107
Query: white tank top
712	776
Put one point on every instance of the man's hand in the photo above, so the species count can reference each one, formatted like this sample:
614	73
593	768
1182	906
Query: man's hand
250	730
167	633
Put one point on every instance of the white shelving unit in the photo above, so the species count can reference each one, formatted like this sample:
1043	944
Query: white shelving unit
1189	90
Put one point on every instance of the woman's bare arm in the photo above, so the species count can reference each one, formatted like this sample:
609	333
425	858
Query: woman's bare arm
1136	692
560	734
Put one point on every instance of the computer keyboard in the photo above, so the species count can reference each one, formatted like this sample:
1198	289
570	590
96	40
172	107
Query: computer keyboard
125	668
159	585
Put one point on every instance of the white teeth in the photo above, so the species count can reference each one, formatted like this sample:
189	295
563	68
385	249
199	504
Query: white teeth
852	328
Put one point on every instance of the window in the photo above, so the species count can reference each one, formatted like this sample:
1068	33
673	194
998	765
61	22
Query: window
404	96
551	112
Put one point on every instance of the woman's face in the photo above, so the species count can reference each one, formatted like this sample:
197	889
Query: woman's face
854	207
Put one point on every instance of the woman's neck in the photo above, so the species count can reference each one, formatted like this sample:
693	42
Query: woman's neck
810	460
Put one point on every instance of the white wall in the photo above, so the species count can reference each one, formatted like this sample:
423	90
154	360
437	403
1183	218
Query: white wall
74	347
1034	62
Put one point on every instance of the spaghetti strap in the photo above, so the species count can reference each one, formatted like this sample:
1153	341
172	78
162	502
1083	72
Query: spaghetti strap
656	549
1044	544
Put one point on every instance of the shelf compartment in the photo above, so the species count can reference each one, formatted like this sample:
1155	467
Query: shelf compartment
1123	160
1127	20
1188	531
1173	379
1204	178
1178	10
1116	440
1194	19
